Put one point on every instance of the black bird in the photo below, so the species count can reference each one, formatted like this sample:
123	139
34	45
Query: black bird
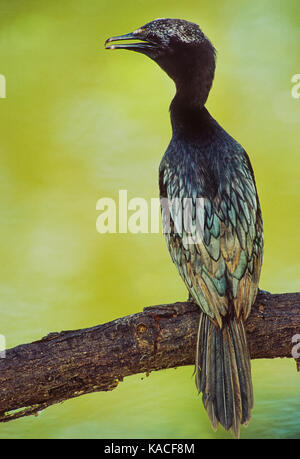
210	175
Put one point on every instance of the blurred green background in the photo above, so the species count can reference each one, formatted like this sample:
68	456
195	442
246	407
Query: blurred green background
79	123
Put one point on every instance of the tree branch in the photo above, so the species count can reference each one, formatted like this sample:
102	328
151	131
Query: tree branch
71	363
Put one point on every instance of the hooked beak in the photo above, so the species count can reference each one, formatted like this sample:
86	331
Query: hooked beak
141	46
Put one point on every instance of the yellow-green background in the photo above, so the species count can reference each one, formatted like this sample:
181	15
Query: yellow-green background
79	123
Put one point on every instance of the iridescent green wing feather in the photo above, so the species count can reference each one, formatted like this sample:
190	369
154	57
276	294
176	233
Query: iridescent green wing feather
220	262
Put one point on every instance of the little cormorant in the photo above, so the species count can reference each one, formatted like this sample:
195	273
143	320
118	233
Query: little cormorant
220	269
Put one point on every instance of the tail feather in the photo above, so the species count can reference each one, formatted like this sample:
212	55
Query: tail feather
223	373
239	340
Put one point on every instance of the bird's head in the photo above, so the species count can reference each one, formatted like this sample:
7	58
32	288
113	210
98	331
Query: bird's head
178	46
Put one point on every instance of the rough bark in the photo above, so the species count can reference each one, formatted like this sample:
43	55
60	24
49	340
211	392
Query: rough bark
71	363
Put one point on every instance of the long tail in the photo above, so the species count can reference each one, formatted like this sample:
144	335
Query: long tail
223	373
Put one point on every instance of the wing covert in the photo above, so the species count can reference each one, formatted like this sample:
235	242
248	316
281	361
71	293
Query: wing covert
220	261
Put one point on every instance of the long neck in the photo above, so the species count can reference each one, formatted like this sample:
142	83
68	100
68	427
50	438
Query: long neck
189	116
193	85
